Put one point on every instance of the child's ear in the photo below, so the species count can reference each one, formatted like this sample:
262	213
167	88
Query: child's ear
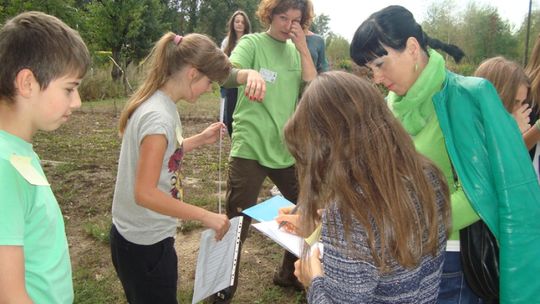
192	73
25	82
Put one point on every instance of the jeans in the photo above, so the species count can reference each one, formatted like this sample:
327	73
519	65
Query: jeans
454	288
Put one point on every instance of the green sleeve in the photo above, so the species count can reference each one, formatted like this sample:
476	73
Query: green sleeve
244	53
463	213
12	205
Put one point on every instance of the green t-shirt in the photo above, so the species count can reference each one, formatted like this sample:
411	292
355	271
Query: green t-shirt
258	127
30	217
430	142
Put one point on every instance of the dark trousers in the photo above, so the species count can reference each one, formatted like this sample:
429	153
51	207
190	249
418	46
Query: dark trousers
231	96
148	272
246	177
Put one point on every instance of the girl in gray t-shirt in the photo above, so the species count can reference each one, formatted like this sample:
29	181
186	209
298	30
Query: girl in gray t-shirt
148	196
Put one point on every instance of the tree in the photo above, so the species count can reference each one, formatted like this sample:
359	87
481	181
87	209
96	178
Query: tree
320	25
127	28
441	21
485	34
66	10
337	51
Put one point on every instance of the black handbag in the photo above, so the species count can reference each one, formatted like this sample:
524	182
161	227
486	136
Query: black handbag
480	260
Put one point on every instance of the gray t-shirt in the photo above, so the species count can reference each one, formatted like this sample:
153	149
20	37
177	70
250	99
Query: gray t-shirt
139	225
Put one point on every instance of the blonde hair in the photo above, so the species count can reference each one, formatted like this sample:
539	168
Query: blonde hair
533	71
168	57
506	76
268	8
43	44
350	151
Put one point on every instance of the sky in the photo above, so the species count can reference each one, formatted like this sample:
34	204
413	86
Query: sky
347	15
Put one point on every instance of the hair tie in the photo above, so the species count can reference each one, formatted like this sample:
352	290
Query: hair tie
177	39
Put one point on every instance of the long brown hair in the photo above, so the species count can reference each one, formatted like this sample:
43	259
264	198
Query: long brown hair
533	71
168	57
232	37
506	76
350	151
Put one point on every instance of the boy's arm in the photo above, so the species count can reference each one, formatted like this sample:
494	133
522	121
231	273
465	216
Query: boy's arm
12	286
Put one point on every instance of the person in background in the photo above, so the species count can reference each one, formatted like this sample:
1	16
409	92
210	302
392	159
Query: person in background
386	210
272	65
148	195
317	49
238	26
512	84
43	63
532	137
461	125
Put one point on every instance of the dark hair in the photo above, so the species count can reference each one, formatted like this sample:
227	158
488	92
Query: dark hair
232	38
391	27
43	44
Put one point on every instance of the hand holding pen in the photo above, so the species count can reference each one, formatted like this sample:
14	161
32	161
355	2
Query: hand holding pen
288	219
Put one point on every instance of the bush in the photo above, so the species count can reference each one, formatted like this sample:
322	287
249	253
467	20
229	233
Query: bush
98	84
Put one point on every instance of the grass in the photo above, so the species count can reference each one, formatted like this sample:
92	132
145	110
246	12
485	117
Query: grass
80	160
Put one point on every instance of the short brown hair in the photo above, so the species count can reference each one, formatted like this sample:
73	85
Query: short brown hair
43	44
269	8
506	76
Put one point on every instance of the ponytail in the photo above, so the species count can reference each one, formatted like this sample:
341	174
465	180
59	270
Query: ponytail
450	49
169	55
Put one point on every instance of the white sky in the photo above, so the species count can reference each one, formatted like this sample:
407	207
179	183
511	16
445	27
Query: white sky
347	15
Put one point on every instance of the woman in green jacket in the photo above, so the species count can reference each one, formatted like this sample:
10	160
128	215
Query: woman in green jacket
460	122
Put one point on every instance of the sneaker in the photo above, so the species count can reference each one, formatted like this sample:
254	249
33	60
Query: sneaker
275	191
287	281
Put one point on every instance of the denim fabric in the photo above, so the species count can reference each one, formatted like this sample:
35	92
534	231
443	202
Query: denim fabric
454	289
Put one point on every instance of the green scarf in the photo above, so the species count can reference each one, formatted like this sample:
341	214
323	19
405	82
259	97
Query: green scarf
416	108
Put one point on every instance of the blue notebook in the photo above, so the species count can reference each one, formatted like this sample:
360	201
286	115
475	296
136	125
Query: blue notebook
268	210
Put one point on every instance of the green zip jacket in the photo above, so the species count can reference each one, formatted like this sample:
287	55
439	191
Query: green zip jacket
492	163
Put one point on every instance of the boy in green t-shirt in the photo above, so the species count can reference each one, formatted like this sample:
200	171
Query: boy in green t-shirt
43	62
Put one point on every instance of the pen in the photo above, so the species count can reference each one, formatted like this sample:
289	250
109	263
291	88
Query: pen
293	211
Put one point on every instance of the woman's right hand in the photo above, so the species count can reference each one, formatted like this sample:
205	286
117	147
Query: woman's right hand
255	86
292	220
218	222
521	115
